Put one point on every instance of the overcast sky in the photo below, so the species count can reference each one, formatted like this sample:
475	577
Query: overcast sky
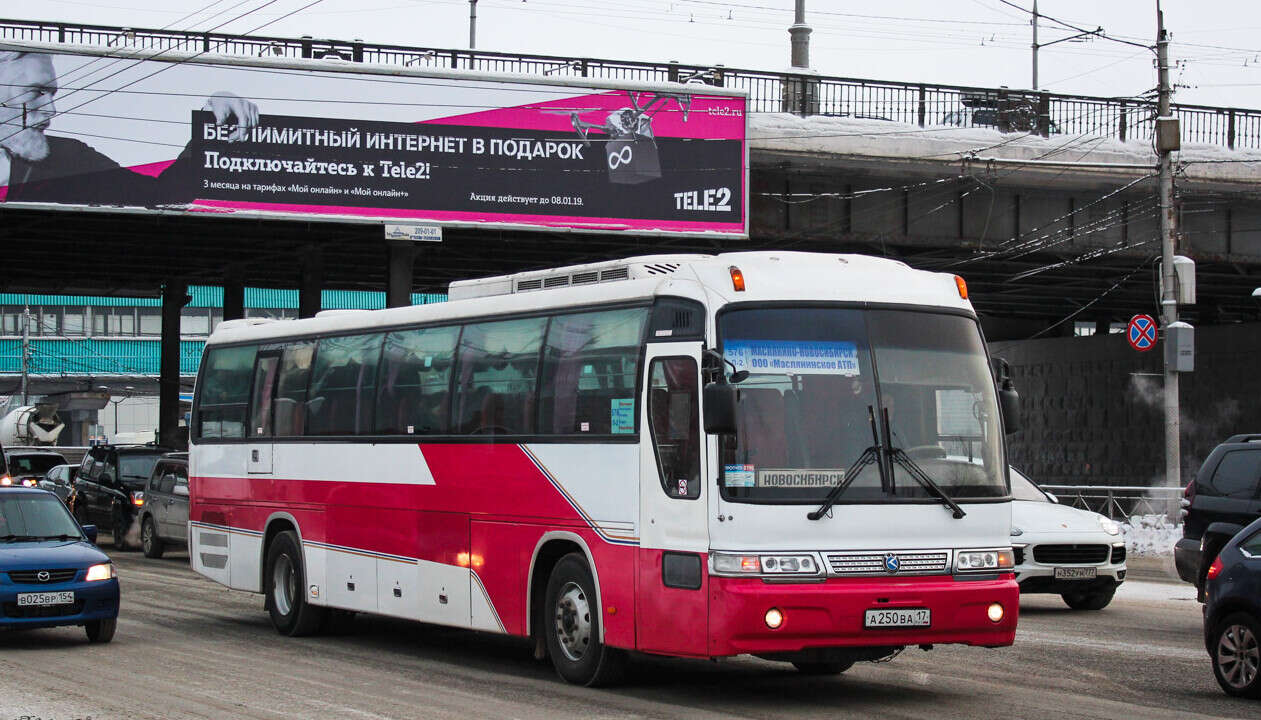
965	42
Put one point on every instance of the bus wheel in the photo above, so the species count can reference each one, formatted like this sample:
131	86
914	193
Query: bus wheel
285	585
572	626
823	668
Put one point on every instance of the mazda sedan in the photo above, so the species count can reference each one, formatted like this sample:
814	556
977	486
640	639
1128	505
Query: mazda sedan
51	573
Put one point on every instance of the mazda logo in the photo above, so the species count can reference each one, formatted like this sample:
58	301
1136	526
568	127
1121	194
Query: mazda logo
42	576
891	563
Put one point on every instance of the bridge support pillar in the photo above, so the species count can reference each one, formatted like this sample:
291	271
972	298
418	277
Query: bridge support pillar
174	298
399	273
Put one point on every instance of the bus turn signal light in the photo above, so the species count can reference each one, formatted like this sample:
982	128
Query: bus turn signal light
737	279
963	287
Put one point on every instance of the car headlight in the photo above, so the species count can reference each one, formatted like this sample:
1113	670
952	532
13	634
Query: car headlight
780	564
1109	526
983	560
104	571
29	482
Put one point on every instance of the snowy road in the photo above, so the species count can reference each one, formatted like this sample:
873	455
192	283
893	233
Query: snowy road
189	648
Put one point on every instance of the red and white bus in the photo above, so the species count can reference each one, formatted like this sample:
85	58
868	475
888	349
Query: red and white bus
532	458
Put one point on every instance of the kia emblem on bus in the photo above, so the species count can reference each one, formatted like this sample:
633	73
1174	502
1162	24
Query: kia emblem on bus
891	563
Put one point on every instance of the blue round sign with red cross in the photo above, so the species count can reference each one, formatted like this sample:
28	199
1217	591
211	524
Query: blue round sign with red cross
1141	332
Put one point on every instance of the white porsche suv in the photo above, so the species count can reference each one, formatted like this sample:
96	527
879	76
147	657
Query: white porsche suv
1076	554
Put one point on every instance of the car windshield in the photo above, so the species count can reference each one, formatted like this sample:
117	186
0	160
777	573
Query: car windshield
136	467
803	413
34	464
34	515
1022	488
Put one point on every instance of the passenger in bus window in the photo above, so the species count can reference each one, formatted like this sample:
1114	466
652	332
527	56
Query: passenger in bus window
37	167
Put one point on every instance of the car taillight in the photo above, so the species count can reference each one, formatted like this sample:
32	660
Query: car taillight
1215	569
1189	492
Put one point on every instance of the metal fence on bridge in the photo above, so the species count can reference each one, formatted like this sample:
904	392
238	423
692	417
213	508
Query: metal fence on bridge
921	104
1116	501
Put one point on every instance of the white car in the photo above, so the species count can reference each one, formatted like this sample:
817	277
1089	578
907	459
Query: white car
1076	554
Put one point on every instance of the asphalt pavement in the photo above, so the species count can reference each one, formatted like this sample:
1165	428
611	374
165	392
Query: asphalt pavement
189	648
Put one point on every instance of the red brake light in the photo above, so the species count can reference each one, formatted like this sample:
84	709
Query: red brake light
1189	491
1216	568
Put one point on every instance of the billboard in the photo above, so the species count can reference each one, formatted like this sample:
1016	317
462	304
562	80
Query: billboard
320	139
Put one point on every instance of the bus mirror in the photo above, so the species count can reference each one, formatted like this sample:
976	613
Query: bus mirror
1010	401
720	409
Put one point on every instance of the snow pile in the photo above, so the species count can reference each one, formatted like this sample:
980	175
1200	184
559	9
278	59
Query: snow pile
1148	535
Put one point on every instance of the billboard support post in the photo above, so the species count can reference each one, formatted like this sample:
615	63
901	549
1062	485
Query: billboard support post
174	298
312	282
402	257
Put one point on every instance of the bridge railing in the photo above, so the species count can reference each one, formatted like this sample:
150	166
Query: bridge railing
1119	502
919	104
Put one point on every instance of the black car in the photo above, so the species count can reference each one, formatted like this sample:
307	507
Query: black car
1232	614
59	480
1224	496
110	488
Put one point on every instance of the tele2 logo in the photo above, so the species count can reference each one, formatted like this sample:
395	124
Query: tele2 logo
713	200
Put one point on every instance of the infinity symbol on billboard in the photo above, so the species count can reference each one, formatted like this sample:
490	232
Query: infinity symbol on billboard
620	158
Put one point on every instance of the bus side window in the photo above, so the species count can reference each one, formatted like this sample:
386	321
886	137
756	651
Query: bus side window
289	407
415	379
264	388
224	392
498	362
343	386
590	365
674	420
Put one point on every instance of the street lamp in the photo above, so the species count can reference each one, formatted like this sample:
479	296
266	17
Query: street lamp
127	390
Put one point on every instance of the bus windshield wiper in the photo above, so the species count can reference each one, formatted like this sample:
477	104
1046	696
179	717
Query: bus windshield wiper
870	456
899	456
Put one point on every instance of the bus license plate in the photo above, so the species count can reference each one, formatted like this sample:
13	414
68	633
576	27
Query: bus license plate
1076	573
46	598
909	617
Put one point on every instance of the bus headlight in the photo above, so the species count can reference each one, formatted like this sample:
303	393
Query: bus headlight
780	564
983	560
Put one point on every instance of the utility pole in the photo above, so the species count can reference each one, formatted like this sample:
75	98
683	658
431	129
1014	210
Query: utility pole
800	34
26	352
1168	289
1035	44
472	24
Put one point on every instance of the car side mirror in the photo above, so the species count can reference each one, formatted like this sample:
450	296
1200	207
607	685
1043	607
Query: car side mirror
90	531
180	490
720	408
1052	497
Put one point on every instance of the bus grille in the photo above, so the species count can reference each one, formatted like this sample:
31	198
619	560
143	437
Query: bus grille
910	562
1071	554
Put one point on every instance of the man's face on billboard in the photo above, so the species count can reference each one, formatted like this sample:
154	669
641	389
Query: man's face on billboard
27	87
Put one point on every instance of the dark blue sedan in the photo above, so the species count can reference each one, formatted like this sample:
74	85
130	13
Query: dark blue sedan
51	574
1232	614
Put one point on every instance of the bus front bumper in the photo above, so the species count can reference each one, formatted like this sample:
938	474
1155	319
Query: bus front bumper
831	614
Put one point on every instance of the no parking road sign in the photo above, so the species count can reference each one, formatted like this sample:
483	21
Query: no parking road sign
1141	332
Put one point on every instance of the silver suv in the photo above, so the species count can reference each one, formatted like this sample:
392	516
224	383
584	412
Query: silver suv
164	516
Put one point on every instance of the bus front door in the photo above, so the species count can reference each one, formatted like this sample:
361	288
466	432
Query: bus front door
672	613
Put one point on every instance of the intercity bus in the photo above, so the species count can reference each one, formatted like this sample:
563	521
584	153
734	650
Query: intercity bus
792	455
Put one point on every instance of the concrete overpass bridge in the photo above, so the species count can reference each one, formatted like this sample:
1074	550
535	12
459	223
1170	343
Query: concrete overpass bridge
1044	202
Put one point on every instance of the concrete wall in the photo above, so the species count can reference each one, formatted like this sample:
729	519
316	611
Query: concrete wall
1091	416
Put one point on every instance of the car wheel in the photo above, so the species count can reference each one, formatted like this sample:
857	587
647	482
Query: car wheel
120	528
1097	600
822	668
149	541
101	631
572	627
286	589
1236	650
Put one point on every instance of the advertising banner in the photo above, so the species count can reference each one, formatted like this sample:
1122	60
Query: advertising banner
302	139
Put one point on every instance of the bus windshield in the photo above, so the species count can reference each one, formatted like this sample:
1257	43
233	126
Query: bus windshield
803	414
